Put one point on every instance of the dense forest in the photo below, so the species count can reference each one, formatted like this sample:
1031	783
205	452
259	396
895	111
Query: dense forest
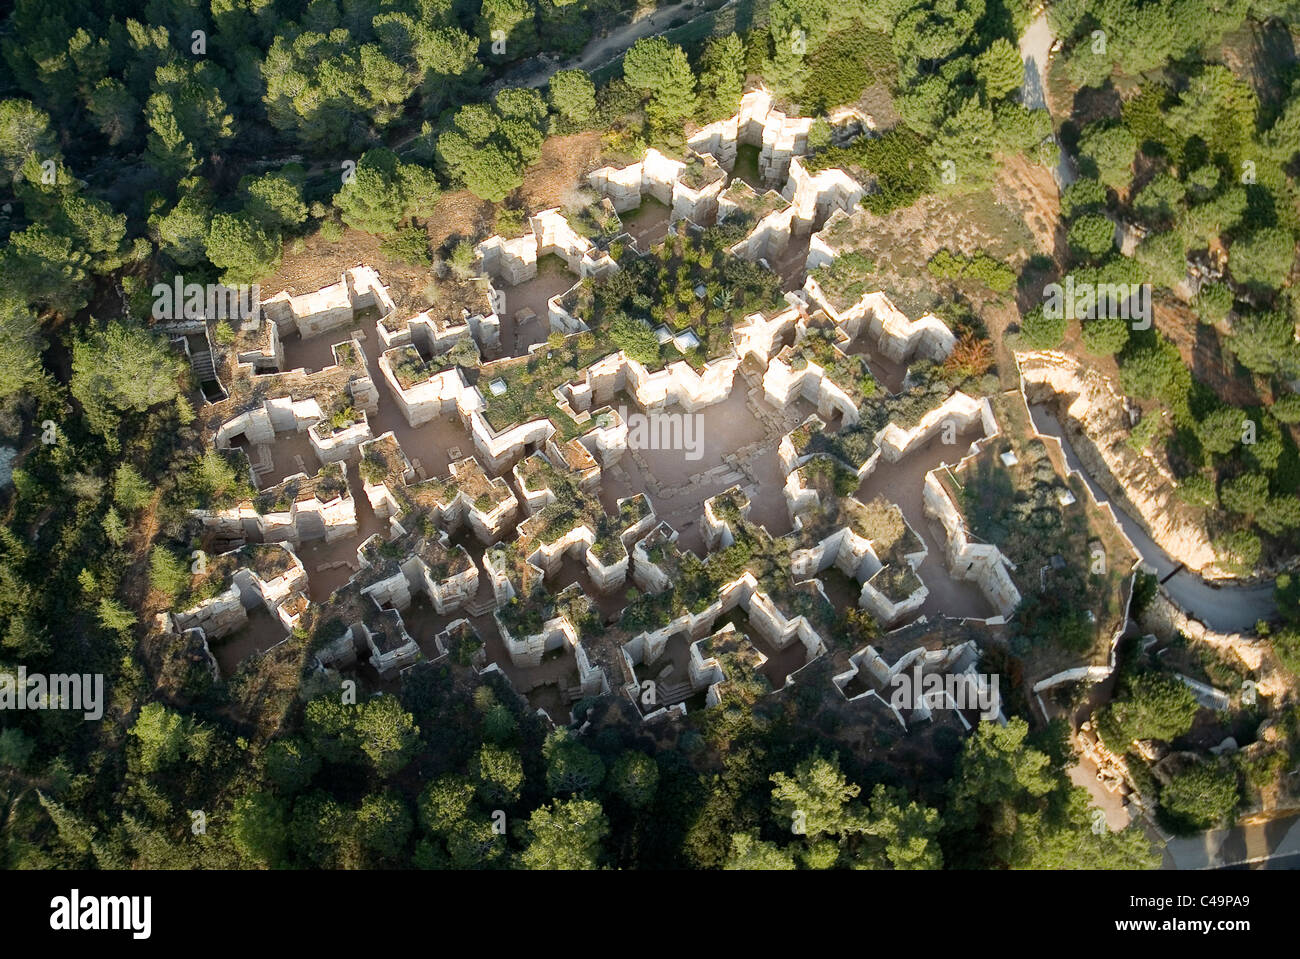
143	140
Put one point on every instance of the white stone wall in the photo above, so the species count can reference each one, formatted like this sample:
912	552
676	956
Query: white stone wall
814	197
761	337
449	594
897	337
341	445
660	177
228	612
982	563
304	520
513	260
769	238
607	578
427	400
888	611
647	576
956	414
779	138
310	314
782	385
390	663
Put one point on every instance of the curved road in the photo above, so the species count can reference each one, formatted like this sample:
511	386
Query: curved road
1035	51
1227	609
1224	608
602	50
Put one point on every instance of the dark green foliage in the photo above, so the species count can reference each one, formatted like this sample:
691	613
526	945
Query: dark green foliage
1263	258
1085	195
1108	153
1202	796
410	245
571	95
845	65
660	70
981	267
1151	706
1092	235
1106	335
1038	331
383	191
898	160
1151	368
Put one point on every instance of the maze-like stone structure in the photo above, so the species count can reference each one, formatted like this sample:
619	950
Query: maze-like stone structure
535	549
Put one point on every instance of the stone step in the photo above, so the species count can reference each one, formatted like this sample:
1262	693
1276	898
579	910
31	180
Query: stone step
672	695
201	364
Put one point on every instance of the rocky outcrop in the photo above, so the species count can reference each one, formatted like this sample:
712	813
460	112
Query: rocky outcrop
1092	413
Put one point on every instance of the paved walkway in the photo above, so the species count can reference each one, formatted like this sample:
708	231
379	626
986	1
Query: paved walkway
1036	51
1273	845
1225	608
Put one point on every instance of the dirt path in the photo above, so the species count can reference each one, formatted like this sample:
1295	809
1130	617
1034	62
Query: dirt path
603	50
1036	51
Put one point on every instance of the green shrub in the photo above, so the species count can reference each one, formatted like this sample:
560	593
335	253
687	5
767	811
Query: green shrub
409	245
1153	706
167	573
1092	235
1106	335
1286	409
1084	195
1202	796
1240	550
1038	331
1198	490
1213	303
981	267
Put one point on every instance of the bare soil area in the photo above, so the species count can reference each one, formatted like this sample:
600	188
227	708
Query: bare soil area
314	262
994	222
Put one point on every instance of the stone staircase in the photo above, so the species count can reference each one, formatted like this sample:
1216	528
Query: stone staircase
670	694
202	365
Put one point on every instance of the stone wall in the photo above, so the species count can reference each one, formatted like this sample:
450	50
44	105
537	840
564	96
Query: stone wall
227	612
982	563
957	413
782	384
343	444
895	336
769	238
815	197
514	260
304	520
310	314
402	653
655	174
449	593
757	123
1092	413
956	661
761	337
